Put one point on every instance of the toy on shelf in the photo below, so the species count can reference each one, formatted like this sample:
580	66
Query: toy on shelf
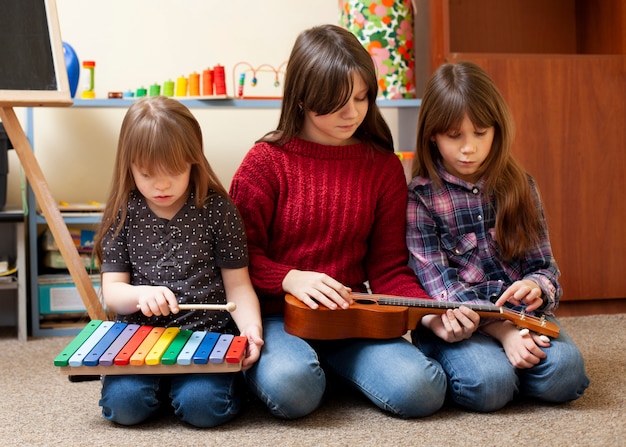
210	84
168	88
181	86
219	80
73	67
90	206
155	89
83	239
89	91
241	70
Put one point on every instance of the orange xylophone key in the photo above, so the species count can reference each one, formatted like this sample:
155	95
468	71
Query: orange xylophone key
139	356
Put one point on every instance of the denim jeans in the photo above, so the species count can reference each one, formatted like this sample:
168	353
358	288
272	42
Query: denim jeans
481	378
290	376
202	400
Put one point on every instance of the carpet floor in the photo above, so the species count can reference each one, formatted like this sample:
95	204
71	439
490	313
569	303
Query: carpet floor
41	407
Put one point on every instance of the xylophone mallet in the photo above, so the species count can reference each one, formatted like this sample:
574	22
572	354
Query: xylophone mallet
230	307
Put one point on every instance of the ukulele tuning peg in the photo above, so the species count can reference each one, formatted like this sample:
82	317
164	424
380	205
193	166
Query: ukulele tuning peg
542	320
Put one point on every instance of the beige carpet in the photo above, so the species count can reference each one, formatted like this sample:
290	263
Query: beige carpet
40	407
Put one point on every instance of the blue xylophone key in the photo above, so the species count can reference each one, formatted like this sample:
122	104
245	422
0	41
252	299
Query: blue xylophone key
221	347
81	353
189	350
201	357
103	344
108	358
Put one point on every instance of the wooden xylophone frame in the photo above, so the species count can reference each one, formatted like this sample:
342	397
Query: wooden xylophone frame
150	369
95	345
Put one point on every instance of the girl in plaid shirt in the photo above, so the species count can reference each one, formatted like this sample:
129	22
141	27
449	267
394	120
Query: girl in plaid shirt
477	234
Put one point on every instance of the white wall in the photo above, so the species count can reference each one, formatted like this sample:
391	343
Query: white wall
137	43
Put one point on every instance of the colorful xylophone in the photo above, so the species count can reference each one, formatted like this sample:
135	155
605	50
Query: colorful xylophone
107	347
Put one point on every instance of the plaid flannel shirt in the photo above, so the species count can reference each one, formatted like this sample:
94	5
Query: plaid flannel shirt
451	238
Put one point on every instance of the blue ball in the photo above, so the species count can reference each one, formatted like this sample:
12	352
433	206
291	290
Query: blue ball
73	67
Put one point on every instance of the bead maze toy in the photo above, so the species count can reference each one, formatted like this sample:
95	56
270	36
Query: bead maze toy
242	69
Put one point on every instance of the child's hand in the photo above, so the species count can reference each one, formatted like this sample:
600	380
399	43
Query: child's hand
522	292
523	348
453	325
157	301
314	288
255	343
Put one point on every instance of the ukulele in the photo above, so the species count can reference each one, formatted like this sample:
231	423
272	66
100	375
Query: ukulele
385	316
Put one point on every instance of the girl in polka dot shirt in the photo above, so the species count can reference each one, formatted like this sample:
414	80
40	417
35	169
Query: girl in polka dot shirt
171	235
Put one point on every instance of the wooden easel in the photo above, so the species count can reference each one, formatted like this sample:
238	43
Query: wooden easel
27	89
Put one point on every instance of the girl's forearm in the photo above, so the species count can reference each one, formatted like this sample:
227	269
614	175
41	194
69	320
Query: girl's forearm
121	298
248	312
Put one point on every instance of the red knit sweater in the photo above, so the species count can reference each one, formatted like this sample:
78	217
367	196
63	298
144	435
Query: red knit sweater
340	210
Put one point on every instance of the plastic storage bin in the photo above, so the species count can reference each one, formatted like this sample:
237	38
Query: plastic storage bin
58	294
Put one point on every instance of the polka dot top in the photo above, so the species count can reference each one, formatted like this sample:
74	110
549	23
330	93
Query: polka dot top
184	254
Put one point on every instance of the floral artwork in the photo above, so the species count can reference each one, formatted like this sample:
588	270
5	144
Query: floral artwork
385	28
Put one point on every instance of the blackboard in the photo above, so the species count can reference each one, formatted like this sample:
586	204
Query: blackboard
32	65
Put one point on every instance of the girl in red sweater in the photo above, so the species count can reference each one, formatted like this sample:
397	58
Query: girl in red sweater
323	199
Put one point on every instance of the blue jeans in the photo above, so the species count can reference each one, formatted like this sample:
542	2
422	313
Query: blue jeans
481	378
202	400
290	375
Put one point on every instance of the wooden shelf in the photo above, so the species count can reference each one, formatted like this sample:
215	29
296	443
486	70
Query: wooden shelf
230	102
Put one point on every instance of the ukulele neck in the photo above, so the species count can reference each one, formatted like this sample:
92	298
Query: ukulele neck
433	304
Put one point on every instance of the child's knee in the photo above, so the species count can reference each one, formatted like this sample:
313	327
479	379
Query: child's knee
490	392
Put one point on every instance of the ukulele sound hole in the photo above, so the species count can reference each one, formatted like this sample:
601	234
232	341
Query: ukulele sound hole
365	301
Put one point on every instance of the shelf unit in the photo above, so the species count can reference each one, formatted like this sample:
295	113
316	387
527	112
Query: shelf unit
407	123
561	66
15	218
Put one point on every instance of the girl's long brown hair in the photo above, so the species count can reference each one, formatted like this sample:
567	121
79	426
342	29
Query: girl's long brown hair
319	78
160	134
464	88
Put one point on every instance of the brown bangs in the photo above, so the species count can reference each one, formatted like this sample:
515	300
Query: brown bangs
158	151
329	89
330	83
481	113
448	114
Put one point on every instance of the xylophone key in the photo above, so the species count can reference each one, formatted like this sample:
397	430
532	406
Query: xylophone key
63	358
201	357
172	352
103	344
189	350
139	356
123	358
85	348
237	349
155	354
108	357
221	347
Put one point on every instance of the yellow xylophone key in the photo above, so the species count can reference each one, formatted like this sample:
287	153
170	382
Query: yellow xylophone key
159	348
139	356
